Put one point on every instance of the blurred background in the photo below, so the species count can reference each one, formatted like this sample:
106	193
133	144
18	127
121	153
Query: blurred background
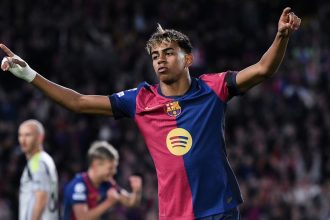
277	135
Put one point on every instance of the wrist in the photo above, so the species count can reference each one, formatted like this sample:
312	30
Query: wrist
29	74
110	202
20	68
282	35
137	191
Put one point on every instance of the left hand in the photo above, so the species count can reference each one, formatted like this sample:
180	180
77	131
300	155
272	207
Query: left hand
288	23
136	183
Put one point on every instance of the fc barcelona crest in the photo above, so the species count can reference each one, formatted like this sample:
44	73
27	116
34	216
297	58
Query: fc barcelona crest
173	108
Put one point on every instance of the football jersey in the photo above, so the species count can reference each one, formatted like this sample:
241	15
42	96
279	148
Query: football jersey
81	190
39	175
185	137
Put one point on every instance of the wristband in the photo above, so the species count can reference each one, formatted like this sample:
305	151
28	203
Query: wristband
26	73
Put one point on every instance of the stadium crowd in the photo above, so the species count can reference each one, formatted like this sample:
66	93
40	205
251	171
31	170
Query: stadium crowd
277	134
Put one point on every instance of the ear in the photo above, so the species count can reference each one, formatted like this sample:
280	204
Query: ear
96	162
41	139
189	59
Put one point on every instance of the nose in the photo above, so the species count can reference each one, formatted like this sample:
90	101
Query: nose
161	59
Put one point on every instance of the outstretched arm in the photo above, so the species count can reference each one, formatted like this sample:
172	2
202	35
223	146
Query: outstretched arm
72	100
271	60
68	98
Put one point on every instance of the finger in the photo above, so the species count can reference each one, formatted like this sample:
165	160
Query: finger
297	24
19	62
286	11
295	20
291	18
6	50
5	64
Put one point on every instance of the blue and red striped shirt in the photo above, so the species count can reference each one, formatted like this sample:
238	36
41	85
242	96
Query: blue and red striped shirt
185	137
80	190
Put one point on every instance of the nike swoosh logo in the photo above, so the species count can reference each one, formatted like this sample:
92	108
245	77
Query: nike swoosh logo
152	108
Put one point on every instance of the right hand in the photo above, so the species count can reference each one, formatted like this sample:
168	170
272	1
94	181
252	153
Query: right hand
288	23
16	65
112	195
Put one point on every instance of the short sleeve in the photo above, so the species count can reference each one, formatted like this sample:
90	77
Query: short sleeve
41	180
77	193
223	84
123	103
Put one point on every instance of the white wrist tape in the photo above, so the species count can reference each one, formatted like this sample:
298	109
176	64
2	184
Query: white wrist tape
26	73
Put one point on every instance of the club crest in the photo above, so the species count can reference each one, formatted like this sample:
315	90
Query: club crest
173	108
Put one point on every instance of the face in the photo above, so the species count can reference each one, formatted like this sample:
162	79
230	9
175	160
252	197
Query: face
170	62
29	138
105	169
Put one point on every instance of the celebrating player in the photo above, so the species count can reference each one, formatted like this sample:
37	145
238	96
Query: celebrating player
181	119
91	194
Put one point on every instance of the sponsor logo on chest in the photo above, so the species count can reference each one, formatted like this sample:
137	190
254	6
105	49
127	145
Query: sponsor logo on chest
179	141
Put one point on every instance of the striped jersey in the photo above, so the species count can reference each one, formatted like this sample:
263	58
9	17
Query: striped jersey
80	190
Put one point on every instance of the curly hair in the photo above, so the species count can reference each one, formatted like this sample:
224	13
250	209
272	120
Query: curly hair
168	35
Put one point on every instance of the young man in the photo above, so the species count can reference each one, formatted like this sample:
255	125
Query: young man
38	188
91	194
181	119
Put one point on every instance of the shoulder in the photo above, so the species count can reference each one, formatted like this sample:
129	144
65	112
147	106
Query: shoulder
76	191
148	96
77	180
77	184
47	159
135	91
130	95
146	89
213	76
43	164
35	164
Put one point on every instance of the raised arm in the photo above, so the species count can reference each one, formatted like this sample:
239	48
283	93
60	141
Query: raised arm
271	60
68	98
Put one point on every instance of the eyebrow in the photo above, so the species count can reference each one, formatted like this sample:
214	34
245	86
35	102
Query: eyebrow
164	50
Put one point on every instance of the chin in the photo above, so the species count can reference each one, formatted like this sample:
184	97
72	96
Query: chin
24	150
107	178
167	80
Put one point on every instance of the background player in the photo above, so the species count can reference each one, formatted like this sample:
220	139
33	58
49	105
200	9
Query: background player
39	184
91	194
177	143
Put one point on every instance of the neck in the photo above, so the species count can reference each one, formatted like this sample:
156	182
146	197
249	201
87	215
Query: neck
33	152
93	178
177	88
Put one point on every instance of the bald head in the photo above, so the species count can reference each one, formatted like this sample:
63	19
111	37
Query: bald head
30	136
